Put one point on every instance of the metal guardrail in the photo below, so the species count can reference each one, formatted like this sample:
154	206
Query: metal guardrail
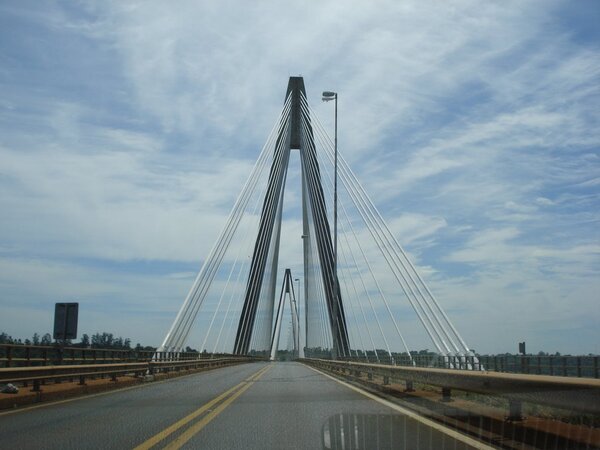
566	366
19	355
574	394
39	375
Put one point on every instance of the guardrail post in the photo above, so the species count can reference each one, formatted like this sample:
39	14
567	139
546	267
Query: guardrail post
36	386
81	380
515	410
113	377
386	380
522	358
409	386
446	394
8	356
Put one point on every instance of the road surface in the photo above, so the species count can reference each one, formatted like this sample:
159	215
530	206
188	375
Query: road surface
283	405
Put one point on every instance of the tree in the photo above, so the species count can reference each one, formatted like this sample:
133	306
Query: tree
36	339
5	339
104	340
46	339
85	340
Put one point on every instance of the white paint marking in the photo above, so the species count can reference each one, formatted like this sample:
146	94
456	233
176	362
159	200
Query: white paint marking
430	423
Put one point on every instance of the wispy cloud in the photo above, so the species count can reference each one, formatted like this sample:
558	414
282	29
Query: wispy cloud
128	129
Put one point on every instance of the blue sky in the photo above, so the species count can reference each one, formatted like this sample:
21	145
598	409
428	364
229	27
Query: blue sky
128	128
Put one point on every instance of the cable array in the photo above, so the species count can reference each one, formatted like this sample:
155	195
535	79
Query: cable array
435	321
354	312
180	329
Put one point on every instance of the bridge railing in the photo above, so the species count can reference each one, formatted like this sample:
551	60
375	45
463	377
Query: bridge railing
573	394
19	355
554	365
581	366
37	376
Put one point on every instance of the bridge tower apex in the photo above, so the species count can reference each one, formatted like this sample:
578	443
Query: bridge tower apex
296	89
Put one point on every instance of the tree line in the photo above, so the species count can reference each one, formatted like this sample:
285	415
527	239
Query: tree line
97	340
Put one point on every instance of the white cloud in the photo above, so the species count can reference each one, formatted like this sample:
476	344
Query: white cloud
474	127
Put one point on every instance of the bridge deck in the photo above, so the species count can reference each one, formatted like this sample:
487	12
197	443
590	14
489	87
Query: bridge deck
260	405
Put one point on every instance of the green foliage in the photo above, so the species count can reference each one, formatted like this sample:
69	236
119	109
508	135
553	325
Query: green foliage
108	340
46	339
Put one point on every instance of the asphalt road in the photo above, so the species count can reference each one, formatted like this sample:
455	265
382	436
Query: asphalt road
250	406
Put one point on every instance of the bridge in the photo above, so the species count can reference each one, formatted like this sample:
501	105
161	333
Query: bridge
351	381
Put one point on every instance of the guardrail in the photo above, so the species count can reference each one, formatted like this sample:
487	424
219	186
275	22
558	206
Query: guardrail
574	394
19	355
39	375
567	366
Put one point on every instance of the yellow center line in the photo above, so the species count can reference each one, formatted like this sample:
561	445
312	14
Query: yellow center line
180	423
198	426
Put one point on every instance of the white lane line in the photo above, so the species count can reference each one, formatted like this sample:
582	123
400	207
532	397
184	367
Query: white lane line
430	423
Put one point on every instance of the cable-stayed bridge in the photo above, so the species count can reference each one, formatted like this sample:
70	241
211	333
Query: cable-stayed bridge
346	310
351	309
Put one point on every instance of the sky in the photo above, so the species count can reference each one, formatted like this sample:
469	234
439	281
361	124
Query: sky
127	130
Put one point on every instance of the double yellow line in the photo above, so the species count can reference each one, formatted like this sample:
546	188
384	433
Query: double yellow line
223	401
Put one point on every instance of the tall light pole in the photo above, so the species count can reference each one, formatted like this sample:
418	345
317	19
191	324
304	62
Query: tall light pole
328	96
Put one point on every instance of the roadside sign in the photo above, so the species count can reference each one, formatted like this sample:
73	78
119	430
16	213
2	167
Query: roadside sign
65	321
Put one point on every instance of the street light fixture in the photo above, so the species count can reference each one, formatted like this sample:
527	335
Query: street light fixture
328	96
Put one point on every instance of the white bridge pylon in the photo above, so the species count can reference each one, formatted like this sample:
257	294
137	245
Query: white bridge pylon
287	292
363	318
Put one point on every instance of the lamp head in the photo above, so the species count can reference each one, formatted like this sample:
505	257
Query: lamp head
328	95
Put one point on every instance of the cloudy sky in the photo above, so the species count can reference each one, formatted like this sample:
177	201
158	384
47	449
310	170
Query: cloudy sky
127	130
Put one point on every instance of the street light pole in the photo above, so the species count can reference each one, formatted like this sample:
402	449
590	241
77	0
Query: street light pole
327	96
335	202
